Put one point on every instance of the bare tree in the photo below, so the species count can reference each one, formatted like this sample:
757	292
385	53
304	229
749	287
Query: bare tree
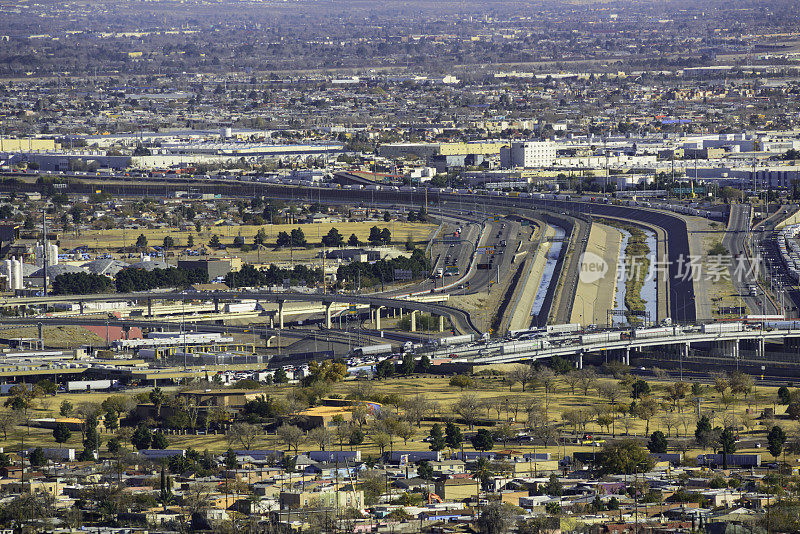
321	436
291	436
468	408
587	378
572	379
522	374
670	421
417	408
609	391
244	433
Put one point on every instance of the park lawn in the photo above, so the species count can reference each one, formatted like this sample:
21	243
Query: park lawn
119	237
489	390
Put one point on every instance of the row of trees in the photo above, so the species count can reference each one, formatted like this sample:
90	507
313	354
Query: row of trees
130	280
249	276
81	284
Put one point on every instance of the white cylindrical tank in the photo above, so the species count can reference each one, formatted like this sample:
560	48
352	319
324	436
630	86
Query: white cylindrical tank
7	269
16	275
52	254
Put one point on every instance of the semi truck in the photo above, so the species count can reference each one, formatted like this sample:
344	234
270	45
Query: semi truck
719	328
601	337
659	331
567	328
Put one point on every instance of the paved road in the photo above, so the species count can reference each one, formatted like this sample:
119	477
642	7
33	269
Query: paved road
681	291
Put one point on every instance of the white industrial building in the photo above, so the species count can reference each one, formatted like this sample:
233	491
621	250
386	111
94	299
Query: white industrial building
528	154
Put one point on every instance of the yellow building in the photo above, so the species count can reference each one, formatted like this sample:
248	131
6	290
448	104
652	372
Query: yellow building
8	144
451	149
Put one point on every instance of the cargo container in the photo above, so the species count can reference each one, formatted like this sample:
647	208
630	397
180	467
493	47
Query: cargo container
719	328
237	307
600	337
385	348
456	340
660	331
524	346
563	328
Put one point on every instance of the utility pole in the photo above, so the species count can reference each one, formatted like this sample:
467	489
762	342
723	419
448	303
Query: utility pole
44	249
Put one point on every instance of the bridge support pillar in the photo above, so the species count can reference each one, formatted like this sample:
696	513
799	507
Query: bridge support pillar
400	311
761	349
328	314
413	320
149	307
80	305
377	318
579	362
627	356
441	323
216	304
280	313
40	327
268	340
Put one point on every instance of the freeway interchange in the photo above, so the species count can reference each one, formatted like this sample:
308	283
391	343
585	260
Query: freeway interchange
487	220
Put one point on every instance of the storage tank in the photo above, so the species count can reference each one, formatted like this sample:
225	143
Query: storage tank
16	277
52	254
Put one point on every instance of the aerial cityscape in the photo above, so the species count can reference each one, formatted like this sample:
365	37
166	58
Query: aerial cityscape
339	266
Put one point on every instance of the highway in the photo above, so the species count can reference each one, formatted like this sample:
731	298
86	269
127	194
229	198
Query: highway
459	318
681	291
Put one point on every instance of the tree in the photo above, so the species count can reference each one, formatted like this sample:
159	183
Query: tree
157	397
279	376
353	240
437	440
291	436
169	242
66	408
522	374
452	436
321	436
245	434
333	238
553	487
657	443
215	242
190	241
468	408
461	381
142	437
645	409
587	378
625	457
61	433
425	363
298	238
639	389
408	364
260	237
141	241
387	216
424	470
114	445
482	441
702	433
374	236
37	457
727	442
159	441
386	236
282	240
784	396
776	440
496	518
